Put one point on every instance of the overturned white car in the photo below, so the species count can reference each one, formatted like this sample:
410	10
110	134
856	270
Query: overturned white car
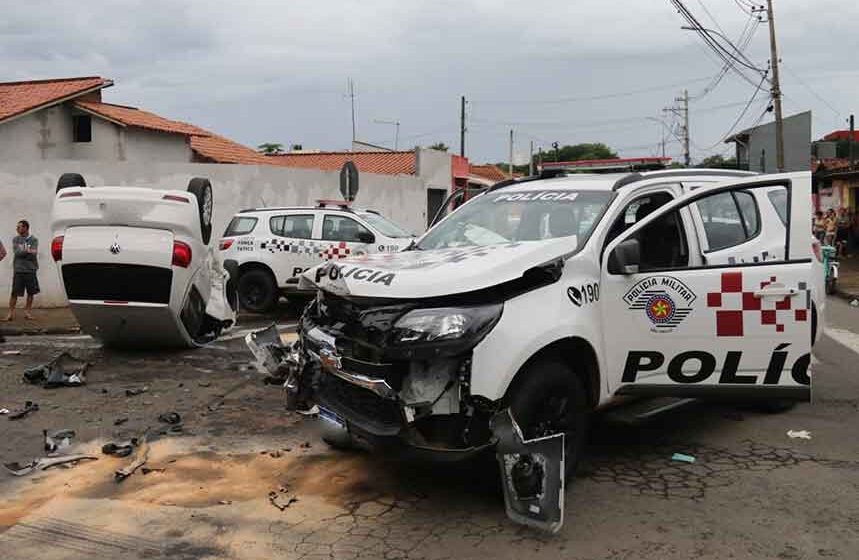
137	266
508	323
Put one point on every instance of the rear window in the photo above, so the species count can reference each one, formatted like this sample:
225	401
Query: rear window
779	200
240	225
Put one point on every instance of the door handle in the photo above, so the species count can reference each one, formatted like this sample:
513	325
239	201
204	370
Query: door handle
776	292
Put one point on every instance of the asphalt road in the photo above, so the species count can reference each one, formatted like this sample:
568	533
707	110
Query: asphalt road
245	479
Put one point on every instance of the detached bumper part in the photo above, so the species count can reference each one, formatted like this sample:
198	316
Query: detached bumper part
532	474
281	363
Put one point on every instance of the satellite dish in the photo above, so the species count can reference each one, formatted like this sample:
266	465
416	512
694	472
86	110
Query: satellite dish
349	181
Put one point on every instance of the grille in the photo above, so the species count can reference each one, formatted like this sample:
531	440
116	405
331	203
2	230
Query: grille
366	409
118	282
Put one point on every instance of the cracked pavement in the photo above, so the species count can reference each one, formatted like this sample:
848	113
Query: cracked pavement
752	492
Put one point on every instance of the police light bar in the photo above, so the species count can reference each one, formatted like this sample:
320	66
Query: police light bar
339	203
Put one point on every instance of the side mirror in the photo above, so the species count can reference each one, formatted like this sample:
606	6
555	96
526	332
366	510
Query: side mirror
626	258
366	237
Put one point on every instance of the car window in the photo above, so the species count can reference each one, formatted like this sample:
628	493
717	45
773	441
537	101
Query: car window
663	243
730	218
341	228
636	211
298	226
385	226
502	217
778	198
240	225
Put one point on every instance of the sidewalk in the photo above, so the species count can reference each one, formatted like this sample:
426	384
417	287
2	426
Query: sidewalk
57	320
848	277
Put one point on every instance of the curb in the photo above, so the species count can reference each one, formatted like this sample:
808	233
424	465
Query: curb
35	331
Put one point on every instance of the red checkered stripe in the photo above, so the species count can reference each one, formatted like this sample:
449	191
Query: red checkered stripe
731	322
339	251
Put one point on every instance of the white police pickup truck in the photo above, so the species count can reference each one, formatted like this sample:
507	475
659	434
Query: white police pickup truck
274	246
533	305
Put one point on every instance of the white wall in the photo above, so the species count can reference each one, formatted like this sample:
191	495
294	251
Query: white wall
148	145
27	190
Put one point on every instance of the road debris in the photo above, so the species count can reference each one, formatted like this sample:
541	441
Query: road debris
204	383
123	449
799	434
4	411
57	441
45	463
147	470
133	392
312	411
29	407
170	418
855	303
63	371
120	421
11	352
281	498
683	458
140	458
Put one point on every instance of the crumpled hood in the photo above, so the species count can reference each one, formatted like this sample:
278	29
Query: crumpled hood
441	272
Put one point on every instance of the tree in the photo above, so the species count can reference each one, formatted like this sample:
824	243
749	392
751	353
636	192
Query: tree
577	152
718	162
270	148
440	146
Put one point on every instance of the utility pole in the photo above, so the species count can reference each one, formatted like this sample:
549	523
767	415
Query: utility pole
682	111
557	156
351	95
462	128
776	92
850	143
531	160
510	164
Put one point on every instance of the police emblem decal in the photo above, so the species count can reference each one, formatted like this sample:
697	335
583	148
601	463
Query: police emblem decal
665	300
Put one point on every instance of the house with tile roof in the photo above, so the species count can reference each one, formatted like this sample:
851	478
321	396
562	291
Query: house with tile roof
67	119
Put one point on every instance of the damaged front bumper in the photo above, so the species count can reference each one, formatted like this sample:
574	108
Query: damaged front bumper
417	408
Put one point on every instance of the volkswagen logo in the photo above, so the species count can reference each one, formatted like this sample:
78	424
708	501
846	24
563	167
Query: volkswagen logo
115	248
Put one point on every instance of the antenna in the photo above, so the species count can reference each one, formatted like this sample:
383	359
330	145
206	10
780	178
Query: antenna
396	134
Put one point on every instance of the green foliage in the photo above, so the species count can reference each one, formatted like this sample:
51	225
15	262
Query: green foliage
270	148
440	146
718	162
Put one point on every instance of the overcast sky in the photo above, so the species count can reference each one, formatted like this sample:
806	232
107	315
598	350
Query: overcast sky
582	71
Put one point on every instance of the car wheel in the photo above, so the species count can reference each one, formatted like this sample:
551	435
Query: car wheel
202	190
550	399
67	180
257	291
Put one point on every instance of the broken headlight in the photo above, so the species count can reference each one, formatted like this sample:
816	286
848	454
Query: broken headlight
443	324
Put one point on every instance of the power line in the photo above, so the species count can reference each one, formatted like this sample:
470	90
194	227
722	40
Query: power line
811	91
625	93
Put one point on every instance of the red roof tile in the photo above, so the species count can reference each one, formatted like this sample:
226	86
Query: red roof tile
131	116
488	171
17	98
386	163
841	135
210	147
218	149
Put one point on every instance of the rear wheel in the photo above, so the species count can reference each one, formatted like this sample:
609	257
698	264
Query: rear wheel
202	190
549	399
257	291
67	180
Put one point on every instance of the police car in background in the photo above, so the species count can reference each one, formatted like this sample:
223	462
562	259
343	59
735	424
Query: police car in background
274	246
544	299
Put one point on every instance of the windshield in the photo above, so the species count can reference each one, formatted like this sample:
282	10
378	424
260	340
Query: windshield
503	217
384	226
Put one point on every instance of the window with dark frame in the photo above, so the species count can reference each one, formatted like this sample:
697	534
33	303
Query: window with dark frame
81	128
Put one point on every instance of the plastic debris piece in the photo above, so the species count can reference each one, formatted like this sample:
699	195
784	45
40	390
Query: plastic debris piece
63	371
799	434
683	458
11	352
136	391
120	421
57	441
19	469
170	418
29	407
140	458
123	449
312	411
4	411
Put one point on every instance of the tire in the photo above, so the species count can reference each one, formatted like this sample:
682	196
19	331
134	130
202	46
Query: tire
541	401
257	291
67	180
201	188
830	286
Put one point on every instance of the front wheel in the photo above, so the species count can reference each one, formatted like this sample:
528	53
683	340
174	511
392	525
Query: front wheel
257	291
831	284
550	398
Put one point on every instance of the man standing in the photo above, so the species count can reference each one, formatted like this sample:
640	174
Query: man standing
24	247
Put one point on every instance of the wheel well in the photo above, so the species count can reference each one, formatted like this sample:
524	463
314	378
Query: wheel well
247	267
579	355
